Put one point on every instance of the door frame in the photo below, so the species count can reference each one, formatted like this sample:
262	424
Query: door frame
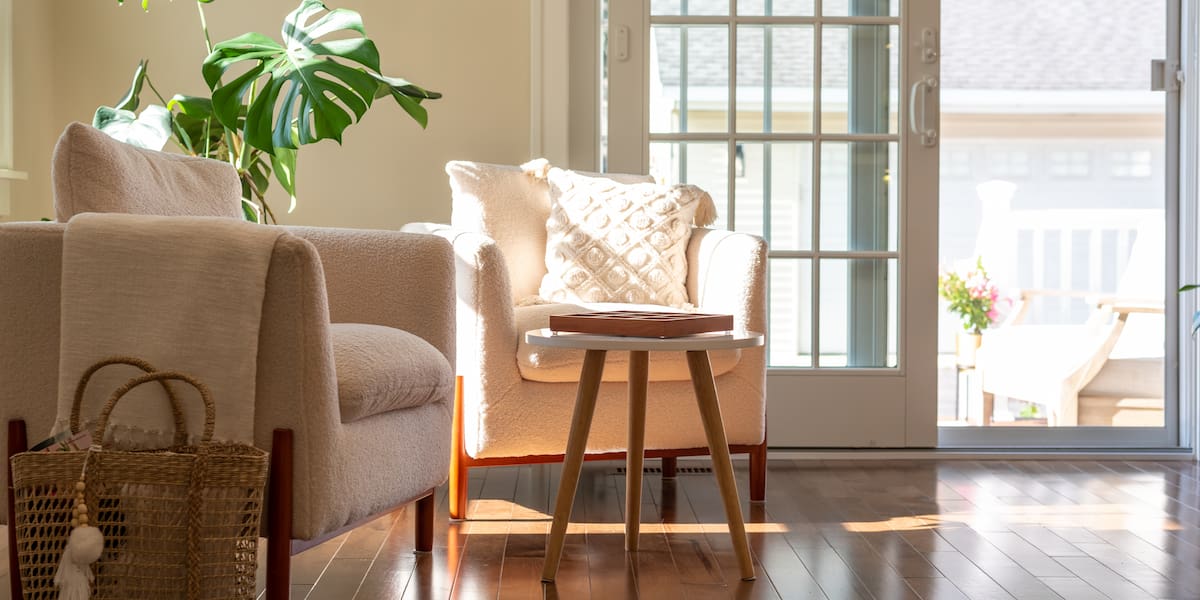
1179	420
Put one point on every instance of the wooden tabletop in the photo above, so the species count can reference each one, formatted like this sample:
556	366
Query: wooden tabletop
591	341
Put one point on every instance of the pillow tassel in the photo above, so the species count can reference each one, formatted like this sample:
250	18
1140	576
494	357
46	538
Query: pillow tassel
537	168
706	209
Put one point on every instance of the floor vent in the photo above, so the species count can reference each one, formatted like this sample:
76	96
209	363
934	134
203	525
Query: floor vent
678	470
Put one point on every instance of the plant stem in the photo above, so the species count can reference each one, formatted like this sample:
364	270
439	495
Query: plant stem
204	27
178	138
155	90
208	137
245	155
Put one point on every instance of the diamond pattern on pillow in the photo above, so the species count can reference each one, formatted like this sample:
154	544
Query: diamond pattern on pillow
613	242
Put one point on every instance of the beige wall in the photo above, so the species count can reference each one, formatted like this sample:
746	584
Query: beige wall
73	55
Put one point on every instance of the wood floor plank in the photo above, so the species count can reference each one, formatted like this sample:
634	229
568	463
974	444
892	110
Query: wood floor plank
341	579
935	588
1179	568
837	580
967	577
308	565
435	574
907	561
1073	588
1028	556
520	574
784	569
1048	542
872	570
392	567
1129	568
653	564
1103	578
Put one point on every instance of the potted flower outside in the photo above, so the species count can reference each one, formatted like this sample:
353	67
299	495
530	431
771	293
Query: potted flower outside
972	297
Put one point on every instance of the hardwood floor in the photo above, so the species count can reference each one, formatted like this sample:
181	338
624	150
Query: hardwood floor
829	529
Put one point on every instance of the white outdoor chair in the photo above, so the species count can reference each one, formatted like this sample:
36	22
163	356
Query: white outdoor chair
1115	357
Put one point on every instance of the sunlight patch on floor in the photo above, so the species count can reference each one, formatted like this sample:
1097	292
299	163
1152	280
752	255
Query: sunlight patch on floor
1107	517
543	528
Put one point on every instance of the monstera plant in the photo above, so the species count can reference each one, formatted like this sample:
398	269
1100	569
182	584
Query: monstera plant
268	98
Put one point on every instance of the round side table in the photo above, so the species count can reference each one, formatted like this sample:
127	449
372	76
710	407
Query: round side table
639	348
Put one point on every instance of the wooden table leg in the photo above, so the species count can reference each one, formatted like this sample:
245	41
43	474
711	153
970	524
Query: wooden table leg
581	424
718	447
639	375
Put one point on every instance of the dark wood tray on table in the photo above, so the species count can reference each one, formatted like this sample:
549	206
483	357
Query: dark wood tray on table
641	323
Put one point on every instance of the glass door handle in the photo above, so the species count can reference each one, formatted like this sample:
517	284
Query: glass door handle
916	117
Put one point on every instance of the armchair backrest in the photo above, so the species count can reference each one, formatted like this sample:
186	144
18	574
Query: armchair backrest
511	207
503	203
93	172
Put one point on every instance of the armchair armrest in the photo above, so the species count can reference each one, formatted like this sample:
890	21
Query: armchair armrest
485	321
392	278
1127	305
727	273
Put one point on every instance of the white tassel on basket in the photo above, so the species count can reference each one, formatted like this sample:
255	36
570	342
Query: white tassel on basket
74	576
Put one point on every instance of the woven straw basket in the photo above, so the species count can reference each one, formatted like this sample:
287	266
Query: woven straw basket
181	522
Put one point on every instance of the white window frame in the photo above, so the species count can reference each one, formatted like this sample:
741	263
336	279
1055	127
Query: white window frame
7	173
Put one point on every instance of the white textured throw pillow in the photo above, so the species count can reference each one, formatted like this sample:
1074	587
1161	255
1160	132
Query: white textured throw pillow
613	242
506	204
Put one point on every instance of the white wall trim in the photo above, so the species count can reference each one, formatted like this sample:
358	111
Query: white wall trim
974	454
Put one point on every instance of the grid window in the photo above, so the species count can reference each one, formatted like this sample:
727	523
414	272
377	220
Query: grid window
956	163
1009	164
1070	163
1131	163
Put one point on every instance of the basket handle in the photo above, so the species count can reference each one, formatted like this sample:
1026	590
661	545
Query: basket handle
176	409
210	410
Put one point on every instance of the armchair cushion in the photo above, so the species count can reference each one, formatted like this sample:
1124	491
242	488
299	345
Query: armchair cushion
380	369
557	365
92	172
614	242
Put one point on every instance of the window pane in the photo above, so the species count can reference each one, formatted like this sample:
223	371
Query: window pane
689	7
861	8
1066	192
775	176
858	312
859	196
703	164
689	78
775	82
769	8
859	78
790	341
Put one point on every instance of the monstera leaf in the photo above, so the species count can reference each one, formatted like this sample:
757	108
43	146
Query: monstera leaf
299	83
149	130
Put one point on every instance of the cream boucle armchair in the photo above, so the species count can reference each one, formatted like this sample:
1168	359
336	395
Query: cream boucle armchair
515	402
344	311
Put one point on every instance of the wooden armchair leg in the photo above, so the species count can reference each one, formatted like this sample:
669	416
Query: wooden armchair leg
17	443
758	473
279	517
458	457
424	525
668	467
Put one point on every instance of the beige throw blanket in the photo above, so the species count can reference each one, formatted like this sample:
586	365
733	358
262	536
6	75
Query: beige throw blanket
184	293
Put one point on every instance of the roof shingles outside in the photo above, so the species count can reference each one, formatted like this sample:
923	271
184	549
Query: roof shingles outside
986	45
